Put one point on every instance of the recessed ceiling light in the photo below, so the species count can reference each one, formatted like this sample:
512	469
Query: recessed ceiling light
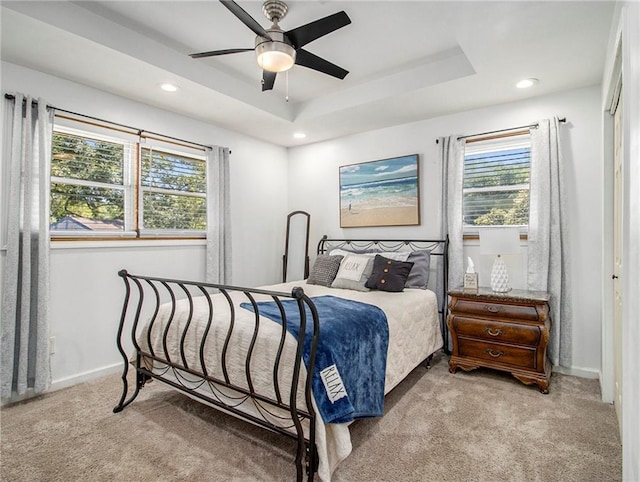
168	87
299	135
523	84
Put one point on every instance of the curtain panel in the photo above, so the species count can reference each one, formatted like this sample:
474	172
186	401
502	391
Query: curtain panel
452	161
218	265
548	254
25	362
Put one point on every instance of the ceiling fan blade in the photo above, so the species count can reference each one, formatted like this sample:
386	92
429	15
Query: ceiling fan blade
312	61
214	53
268	79
301	36
245	18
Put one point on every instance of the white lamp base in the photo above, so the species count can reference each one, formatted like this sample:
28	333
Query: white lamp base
499	276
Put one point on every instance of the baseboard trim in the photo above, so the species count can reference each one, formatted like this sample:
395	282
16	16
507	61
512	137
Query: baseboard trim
85	377
576	372
65	383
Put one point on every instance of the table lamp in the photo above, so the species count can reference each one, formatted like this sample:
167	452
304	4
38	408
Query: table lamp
498	242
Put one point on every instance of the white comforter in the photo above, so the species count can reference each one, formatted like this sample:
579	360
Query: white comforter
414	334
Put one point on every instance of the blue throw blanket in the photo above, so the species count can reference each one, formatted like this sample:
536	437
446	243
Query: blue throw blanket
351	358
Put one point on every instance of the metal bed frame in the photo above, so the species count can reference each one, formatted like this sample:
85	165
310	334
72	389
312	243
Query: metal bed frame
145	294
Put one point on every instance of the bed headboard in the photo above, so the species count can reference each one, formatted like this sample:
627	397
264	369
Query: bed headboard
439	263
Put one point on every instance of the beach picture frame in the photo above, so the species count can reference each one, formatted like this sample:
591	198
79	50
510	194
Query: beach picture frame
385	192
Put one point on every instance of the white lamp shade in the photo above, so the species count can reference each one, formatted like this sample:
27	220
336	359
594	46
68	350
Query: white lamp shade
499	241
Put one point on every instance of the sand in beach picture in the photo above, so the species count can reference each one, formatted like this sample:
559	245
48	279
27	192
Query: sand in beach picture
380	193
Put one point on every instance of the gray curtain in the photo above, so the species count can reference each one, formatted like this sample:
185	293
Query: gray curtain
548	261
25	360
452	161
218	268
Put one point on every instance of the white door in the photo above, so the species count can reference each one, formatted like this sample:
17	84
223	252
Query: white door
618	187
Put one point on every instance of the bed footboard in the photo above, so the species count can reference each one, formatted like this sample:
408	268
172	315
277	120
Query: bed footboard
155	301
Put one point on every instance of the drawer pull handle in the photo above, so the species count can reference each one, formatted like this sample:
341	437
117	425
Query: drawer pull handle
490	331
494	309
493	354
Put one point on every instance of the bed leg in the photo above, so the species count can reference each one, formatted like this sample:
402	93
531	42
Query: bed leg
427	362
141	379
311	461
307	463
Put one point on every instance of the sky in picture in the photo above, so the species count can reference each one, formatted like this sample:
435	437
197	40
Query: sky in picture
383	170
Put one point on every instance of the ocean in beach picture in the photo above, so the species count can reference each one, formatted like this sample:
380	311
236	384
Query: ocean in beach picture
380	193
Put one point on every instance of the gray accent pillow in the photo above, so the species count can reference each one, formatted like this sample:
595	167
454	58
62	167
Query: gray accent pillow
324	270
355	270
419	275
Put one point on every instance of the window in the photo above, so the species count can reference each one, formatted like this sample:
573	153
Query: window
89	188
121	185
496	182
173	189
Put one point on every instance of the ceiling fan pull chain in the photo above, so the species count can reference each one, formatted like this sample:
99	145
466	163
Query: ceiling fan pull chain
286	75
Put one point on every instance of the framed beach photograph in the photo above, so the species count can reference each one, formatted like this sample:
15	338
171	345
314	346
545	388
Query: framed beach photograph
380	193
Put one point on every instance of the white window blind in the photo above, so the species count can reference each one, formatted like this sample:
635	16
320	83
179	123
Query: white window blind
90	184
496	182
173	190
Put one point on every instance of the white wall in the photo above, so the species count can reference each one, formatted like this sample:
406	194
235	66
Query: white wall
313	187
86	296
86	292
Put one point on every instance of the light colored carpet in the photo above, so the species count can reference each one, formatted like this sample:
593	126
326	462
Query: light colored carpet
477	426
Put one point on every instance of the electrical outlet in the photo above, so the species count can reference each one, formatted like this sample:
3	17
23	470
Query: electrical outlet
52	345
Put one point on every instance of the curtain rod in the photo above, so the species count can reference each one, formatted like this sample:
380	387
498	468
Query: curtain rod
137	130
530	126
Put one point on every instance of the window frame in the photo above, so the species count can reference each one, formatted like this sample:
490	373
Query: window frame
128	160
497	143
164	233
132	184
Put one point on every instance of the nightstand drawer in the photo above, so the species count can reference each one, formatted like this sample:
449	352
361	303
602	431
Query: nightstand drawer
509	355
498	310
497	331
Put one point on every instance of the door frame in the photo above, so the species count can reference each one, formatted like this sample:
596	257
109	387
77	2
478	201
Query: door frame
627	15
607	373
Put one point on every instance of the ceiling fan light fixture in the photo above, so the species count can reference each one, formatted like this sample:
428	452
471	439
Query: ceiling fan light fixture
275	56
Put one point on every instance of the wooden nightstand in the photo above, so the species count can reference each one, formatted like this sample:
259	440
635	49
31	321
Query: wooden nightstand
504	331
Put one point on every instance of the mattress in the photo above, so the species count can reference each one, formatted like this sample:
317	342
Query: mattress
414	334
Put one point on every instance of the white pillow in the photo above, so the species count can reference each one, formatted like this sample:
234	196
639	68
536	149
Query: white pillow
342	252
394	255
355	270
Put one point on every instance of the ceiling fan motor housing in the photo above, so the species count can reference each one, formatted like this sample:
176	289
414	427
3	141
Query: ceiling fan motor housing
277	54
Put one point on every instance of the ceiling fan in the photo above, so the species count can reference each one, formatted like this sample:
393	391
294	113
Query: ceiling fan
277	50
